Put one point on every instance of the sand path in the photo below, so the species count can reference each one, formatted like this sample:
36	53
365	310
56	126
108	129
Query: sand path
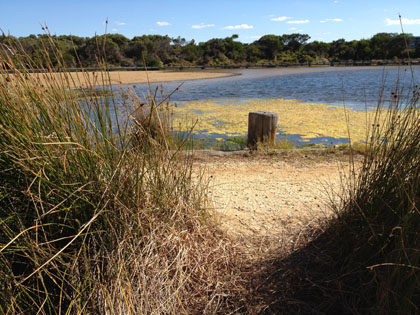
263	196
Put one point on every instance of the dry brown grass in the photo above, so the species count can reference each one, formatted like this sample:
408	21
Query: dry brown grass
92	222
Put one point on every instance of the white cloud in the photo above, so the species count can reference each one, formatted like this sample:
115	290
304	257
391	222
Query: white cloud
120	23
202	25
298	22
331	20
292	29
239	27
404	21
163	23
114	30
281	18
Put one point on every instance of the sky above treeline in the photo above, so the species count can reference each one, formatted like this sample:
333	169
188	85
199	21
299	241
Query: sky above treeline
201	20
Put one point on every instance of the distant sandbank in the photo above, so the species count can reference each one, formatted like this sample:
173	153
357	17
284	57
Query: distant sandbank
84	79
127	77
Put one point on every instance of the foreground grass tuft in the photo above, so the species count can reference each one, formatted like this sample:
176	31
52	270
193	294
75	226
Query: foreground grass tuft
367	259
381	216
98	211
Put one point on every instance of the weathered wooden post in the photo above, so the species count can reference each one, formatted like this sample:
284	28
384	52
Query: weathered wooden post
261	127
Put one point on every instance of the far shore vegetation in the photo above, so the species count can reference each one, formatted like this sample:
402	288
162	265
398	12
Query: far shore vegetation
158	51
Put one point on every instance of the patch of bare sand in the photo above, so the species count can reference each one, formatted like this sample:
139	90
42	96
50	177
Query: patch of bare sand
132	77
266	196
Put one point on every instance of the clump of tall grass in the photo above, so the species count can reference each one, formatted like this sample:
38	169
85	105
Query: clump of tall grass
366	259
382	210
97	213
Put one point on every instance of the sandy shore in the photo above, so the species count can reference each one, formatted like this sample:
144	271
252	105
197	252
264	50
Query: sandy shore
131	77
126	77
264	196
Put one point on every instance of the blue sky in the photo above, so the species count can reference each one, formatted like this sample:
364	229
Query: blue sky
324	20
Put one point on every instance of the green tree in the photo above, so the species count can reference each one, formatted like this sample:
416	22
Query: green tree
192	53
252	53
317	49
135	50
235	50
155	49
294	42
100	48
363	50
270	46
387	45
214	50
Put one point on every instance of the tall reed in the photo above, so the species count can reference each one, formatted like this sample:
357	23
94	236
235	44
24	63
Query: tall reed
384	206
366	259
97	213
376	234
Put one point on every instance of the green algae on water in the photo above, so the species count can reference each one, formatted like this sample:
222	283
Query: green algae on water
310	120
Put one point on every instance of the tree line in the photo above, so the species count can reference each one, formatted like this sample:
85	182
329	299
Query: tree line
158	50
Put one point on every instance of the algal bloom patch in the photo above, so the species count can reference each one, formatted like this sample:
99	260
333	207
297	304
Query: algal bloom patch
229	117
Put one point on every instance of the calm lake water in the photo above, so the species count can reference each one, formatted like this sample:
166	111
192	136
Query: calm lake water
355	86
